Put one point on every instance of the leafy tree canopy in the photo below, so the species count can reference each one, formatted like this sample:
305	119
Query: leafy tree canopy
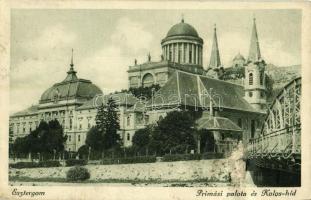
145	91
46	138
175	133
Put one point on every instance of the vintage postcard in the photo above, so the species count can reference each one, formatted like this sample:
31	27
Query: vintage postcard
155	100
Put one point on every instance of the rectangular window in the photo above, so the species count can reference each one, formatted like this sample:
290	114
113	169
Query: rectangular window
185	50
190	56
128	137
69	138
78	138
195	55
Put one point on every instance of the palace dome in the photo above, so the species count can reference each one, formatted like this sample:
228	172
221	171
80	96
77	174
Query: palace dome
70	88
182	29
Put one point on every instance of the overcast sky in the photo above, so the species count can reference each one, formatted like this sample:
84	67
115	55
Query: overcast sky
106	42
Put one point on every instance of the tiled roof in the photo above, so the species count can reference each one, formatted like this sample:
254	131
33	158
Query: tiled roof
217	123
188	89
29	111
121	99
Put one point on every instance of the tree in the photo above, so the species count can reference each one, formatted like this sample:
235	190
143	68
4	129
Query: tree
83	151
95	139
269	85
51	137
141	139
175	133
47	138
112	125
100	118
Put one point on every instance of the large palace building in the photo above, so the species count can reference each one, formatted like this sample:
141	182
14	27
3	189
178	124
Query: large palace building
184	82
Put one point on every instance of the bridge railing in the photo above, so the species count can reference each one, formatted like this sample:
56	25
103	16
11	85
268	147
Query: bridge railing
281	143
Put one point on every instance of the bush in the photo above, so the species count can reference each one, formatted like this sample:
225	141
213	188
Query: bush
129	160
73	162
49	163
78	173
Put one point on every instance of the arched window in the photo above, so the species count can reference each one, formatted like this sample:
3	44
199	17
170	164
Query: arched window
128	120
250	94
179	54
128	137
148	80
79	138
251	78
261	78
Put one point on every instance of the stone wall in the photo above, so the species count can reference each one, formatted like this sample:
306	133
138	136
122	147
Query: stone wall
213	170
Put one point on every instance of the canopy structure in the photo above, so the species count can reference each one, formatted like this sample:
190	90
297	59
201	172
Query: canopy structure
217	124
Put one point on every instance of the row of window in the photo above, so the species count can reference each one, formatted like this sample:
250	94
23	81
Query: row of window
194	53
69	138
251	78
262	94
16	127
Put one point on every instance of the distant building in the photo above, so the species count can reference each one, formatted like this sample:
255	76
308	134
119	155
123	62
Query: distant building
238	61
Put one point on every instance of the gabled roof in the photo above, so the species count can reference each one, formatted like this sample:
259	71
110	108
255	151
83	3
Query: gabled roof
121	99
32	110
217	123
187	89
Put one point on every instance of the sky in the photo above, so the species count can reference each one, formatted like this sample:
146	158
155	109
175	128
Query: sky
106	42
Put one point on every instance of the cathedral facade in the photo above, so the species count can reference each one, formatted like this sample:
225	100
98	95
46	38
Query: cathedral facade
180	72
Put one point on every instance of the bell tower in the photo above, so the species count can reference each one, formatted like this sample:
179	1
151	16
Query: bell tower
255	83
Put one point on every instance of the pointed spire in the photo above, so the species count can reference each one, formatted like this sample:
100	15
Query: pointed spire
182	18
71	74
254	50
215	56
71	64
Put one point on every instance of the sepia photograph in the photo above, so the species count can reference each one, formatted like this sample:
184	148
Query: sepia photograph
155	98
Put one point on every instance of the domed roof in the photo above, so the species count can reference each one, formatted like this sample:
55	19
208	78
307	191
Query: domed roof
70	88
239	57
182	29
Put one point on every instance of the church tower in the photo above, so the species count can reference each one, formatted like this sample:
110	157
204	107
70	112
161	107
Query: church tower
254	83
215	56
215	68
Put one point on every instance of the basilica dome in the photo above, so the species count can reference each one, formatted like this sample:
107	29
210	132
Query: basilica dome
182	44
70	88
182	29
